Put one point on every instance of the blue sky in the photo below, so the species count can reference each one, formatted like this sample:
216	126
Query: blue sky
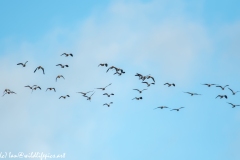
180	41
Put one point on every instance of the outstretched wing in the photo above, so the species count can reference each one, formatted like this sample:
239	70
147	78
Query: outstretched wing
231	90
35	69
19	64
43	70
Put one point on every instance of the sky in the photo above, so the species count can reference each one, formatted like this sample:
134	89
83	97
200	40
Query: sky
185	42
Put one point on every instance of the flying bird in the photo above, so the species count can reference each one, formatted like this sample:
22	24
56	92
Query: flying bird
222	87
108	94
177	109
59	76
169	84
9	92
137	98
51	89
192	93
104	87
39	67
103	64
62	66
108	104
66	55
161	107
233	105
84	93
148	84
233	91
112	67
148	76
23	64
64	96
209	85
36	87
6	90
222	96
140	91
31	87
89	98
139	75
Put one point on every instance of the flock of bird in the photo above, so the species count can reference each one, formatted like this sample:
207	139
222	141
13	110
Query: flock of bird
144	79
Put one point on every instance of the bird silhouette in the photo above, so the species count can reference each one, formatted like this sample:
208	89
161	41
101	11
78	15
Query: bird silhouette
222	96
66	55
137	98
64	97
192	94
90	97
59	76
84	93
161	107
39	67
108	104
176	109
103	64
233	91
23	64
51	89
233	105
140	91
209	85
111	94
148	84
222	87
104	87
170	84
8	92
62	66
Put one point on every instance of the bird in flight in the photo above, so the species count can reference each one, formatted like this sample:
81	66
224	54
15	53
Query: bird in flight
62	66
192	93
137	98
64	96
209	85
51	89
140	91
161	107
176	109
148	76
66	55
59	76
139	75
108	104
169	84
31	87
23	64
222	87
8	92
103	64
148	84
108	94
84	93
233	105
35	87
39	67
233	91
89	98
222	96
104	87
